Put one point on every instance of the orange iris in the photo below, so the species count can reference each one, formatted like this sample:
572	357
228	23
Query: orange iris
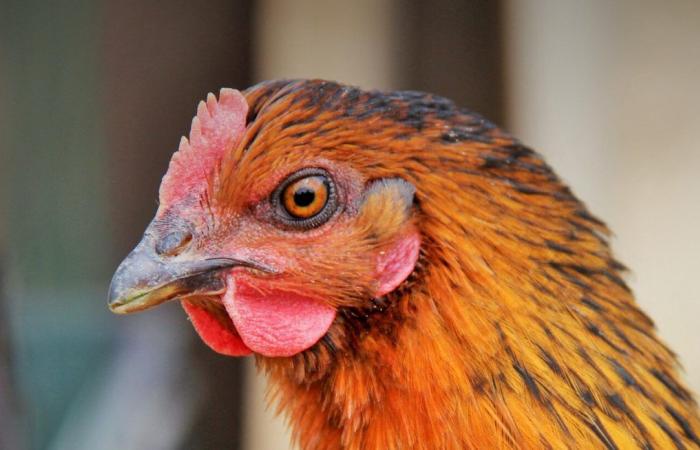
305	197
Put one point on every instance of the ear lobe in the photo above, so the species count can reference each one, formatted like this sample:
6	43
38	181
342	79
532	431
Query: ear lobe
385	214
395	264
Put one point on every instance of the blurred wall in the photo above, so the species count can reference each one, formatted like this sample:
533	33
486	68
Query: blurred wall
159	61
55	223
353	42
608	91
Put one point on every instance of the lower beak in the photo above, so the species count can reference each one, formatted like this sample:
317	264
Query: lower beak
144	279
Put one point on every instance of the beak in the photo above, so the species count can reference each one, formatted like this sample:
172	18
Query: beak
145	279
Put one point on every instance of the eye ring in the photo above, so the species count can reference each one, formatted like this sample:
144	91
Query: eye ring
306	199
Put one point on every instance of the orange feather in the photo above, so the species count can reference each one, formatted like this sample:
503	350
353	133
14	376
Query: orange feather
515	331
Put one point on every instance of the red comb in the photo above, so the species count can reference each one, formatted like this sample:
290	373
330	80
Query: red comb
217	127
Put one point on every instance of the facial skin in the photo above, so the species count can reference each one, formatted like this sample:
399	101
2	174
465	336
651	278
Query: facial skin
263	251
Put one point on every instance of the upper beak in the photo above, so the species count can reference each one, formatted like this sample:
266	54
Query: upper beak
144	279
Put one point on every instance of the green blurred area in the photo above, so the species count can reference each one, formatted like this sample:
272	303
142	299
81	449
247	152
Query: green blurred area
56	232
93	97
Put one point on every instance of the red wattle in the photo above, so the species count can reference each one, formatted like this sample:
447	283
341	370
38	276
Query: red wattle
217	332
276	323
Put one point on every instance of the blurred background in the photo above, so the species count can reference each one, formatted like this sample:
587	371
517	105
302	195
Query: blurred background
95	94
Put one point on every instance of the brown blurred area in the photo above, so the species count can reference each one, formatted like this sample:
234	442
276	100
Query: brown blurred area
157	63
95	94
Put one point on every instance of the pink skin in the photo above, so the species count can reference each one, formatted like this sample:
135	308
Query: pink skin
395	265
275	323
261	318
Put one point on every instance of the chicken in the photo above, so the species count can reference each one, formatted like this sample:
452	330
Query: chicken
407	274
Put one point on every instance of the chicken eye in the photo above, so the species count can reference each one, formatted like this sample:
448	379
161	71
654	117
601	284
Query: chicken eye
307	198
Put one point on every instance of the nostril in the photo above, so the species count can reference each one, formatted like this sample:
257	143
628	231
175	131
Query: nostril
173	243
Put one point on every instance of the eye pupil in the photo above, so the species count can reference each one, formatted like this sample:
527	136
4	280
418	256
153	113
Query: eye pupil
307	198
304	197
